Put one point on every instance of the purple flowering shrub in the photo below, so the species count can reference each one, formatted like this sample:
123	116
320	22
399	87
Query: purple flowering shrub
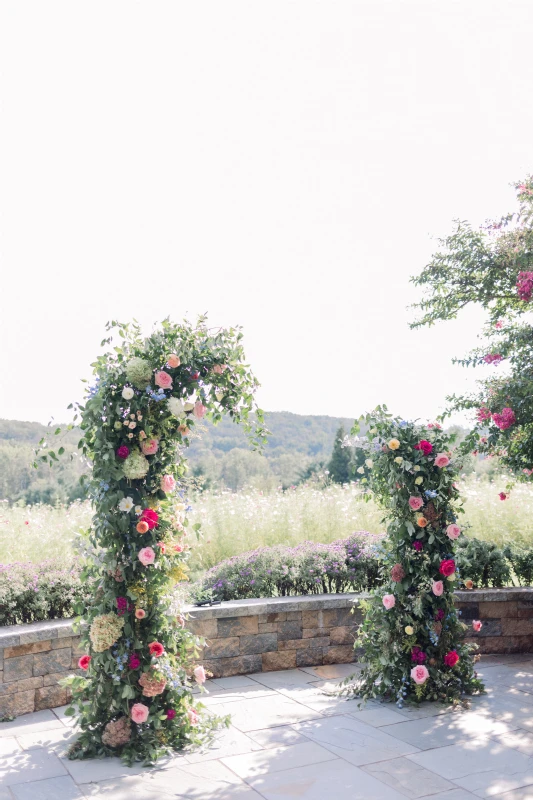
34	592
351	564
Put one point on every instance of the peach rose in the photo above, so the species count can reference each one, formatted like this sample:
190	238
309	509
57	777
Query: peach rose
199	410
421	522
415	502
193	716
142	527
173	361
183	429
453	531
199	674
218	369
469	584
140	613
139	713
168	483
150	447
389	601
146	556
437	587
420	674
441	460
163	379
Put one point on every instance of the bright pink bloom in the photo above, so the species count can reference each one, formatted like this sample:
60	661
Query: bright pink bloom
171	713
505	419
492	358
163	379
527	472
441	460
193	716
168	483
146	556
199	410
415	503
199	674
425	446
417	544
134	662
156	649
420	674
123	452
150	446
498	324
151	518
84	662
447	567
389	601
502	496
451	658
139	713
453	531
437	587
477	625
483	414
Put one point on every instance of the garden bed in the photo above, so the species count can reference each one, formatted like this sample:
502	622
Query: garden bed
246	636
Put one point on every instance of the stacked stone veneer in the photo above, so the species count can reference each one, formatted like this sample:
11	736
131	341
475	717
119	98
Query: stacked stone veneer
33	659
277	633
507	617
249	636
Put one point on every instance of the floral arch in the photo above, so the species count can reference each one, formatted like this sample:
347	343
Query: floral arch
135	697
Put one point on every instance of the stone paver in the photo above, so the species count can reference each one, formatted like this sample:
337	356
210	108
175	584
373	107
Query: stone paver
290	739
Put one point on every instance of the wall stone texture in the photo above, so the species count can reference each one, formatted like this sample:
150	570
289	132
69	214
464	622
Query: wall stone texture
246	636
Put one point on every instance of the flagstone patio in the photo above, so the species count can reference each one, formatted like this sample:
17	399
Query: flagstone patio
290	741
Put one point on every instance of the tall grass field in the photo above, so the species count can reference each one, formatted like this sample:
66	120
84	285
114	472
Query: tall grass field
236	522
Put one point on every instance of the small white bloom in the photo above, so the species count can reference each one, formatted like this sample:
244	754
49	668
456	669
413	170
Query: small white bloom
361	470
132	416
416	469
419	480
127	393
125	423
451	577
138	510
188	406
369	463
373	431
398	460
219	394
118	425
130	435
133	425
126	504
175	406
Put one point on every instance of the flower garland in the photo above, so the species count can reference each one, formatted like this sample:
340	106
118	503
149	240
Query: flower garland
136	696
411	636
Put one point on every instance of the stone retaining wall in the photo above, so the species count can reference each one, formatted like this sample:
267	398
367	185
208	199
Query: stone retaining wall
249	636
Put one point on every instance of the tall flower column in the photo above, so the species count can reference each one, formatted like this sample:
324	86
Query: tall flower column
411	636
136	697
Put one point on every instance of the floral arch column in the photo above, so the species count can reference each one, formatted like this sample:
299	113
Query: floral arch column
135	699
411	637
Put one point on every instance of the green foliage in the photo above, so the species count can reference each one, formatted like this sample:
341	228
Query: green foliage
484	563
402	470
139	526
492	268
340	464
33	592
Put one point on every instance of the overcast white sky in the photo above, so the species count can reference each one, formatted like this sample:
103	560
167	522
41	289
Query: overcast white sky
280	165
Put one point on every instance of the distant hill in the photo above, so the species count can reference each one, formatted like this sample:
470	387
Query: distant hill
220	455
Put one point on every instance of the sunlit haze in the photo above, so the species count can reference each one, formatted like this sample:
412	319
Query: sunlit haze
282	166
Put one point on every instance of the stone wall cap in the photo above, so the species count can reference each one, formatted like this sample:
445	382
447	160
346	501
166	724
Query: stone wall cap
274	605
503	595
14	635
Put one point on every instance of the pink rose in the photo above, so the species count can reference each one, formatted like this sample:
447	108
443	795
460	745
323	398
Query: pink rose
199	674
199	410
173	361
218	369
420	674
139	712
437	587
163	379
193	716
146	556
477	625
150	447
453	531
441	460
415	503
389	601
168	484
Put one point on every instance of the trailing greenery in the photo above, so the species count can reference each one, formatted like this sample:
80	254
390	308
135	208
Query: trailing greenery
411	636
136	698
492	267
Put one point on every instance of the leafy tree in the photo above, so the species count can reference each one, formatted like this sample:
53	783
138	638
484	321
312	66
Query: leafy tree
492	267
340	464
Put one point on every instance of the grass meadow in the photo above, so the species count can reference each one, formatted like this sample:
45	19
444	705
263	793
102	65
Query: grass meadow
236	522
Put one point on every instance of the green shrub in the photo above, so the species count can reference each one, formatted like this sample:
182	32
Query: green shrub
34	592
522	563
484	563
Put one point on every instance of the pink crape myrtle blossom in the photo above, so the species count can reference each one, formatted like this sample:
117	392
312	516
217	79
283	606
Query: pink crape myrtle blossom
483	414
492	358
524	285
505	419
420	674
